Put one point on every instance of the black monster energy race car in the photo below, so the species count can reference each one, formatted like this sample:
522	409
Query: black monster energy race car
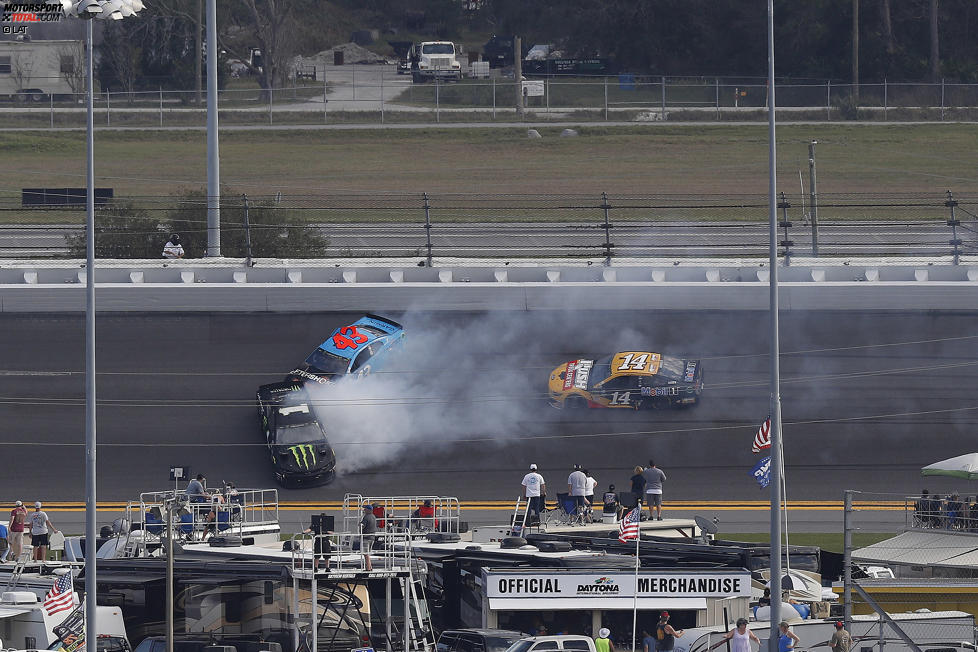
300	451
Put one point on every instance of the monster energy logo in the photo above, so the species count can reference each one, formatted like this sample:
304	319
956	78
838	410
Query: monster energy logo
301	450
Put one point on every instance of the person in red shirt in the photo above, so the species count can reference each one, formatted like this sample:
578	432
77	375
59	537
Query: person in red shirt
15	530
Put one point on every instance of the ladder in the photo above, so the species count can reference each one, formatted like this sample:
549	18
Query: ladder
519	522
21	562
420	631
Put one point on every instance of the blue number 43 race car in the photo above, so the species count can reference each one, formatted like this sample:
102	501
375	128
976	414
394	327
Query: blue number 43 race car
354	349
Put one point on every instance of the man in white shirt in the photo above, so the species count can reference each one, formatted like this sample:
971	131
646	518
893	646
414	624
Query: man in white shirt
173	248
577	488
39	532
535	491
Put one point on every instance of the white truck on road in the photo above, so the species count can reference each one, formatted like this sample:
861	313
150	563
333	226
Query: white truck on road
435	60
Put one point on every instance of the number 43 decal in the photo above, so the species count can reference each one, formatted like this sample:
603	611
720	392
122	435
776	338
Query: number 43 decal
349	338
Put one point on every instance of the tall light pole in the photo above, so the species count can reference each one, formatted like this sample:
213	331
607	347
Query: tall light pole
103	10
775	345
213	156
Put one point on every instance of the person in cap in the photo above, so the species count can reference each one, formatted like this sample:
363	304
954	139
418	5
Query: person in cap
535	492
368	528
15	529
576	488
40	532
787	639
665	635
602	642
841	640
173	248
739	637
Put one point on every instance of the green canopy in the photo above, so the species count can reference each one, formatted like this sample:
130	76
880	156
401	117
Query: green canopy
962	466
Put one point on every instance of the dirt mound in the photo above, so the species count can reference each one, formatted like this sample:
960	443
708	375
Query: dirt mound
352	53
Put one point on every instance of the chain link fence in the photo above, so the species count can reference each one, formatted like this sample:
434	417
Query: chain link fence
912	553
599	228
376	94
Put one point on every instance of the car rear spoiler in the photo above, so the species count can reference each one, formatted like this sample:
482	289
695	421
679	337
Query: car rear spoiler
383	323
277	392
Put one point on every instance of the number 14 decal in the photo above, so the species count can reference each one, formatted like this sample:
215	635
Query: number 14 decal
620	398
634	362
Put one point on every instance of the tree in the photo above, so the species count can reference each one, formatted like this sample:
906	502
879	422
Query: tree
72	68
272	25
276	232
122	231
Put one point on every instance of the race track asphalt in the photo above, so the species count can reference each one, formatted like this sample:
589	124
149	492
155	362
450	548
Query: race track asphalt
868	398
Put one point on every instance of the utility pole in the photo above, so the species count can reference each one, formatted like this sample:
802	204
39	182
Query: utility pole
855	51
198	51
213	157
518	73
813	195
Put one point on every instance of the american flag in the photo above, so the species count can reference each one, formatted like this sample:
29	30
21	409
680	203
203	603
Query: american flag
628	528
763	437
61	596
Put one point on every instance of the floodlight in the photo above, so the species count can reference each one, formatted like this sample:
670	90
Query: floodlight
110	10
86	9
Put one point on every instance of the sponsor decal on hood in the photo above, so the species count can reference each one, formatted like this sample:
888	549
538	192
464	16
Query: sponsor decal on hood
305	455
305	374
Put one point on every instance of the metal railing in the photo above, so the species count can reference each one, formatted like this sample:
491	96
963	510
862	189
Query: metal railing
221	514
422	226
409	516
942	512
349	552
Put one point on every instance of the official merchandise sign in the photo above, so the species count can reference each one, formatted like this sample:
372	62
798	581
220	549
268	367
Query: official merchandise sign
616	585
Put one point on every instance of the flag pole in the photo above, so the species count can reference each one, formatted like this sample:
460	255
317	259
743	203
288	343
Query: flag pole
638	537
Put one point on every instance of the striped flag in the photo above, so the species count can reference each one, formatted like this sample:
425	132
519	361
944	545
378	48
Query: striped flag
61	596
763	437
628	528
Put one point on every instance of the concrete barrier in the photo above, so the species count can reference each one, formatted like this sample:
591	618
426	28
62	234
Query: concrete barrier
297	286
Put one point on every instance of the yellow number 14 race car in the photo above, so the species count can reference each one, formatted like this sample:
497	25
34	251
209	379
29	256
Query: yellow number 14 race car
629	379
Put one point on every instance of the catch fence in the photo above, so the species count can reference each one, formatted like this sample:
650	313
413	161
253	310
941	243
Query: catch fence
603	228
376	94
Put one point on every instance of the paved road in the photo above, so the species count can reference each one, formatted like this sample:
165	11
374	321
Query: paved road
536	239
868	399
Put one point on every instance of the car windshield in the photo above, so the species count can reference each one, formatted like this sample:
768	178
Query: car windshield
499	643
600	371
438	48
520	646
301	434
672	368
326	363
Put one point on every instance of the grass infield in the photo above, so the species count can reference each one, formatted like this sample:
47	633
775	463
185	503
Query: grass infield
651	159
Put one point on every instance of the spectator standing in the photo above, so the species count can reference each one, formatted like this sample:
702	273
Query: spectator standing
15	529
653	488
576	488
638	484
173	249
535	492
841	640
665	635
39	532
4	543
589	488
368	528
787	639
648	642
740	638
321	543
602	642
